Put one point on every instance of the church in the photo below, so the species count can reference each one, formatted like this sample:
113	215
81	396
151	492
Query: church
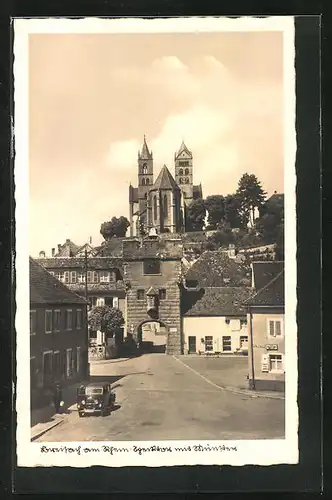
162	204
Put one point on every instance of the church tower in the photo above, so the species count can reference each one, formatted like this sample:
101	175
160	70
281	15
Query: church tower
145	177
183	161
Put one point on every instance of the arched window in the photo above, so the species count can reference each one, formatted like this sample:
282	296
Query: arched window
145	168
143	182
155	208
181	171
165	206
147	182
186	171
187	180
181	180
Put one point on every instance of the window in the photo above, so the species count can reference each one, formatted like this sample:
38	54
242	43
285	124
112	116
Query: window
69	319
81	277
78	359
209	343
226	343
243	340
100	301
116	302
79	319
181	180
57	320
187	180
147	182
73	276
165	206
69	363
145	169
95	277
275	363
93	301
48	321
57	365
60	276
184	163
92	334
90	276
151	266
181	171
155	209
66	276
140	294
162	293
109	301
143	182
47	368
104	277
274	328
33	322
186	172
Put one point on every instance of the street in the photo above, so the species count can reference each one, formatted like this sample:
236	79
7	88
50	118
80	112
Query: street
159	398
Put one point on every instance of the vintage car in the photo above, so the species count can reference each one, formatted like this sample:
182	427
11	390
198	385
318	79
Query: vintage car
95	398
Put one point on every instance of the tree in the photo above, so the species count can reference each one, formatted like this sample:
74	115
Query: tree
195	215
215	206
233	211
270	222
106	319
115	227
251	196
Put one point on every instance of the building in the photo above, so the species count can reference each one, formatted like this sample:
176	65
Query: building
58	333
215	320
162	203
266	327
152	273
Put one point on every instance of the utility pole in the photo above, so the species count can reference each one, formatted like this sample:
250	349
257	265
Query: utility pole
86	273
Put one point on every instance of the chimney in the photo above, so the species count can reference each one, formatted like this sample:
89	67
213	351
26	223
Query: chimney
59	247
42	254
67	241
90	240
53	252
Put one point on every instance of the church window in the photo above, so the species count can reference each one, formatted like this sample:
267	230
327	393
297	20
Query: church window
187	180
147	182
143	182
181	171
145	168
186	171
165	206
155	208
181	180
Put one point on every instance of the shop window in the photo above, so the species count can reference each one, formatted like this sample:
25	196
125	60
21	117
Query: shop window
209	343
226	343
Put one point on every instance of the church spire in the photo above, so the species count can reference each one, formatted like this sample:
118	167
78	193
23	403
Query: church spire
145	154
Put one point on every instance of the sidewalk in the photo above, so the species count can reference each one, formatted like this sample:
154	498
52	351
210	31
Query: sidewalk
43	419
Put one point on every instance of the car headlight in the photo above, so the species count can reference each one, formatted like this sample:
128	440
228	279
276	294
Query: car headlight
83	402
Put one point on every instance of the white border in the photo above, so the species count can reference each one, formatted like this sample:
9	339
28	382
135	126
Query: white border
248	452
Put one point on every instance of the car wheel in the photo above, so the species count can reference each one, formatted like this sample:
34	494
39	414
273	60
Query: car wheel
81	413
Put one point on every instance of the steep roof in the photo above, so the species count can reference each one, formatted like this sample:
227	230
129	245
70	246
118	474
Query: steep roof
265	271
183	149
145	153
165	180
272	294
45	289
217	301
78	263
215	268
68	249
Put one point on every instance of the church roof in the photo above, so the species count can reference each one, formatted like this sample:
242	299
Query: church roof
145	153
165	180
183	149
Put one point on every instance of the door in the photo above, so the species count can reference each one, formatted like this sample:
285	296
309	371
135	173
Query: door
191	344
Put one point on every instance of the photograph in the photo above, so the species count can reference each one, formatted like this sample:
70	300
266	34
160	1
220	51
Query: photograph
155	193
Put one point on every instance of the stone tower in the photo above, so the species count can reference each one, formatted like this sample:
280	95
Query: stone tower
183	161
145	176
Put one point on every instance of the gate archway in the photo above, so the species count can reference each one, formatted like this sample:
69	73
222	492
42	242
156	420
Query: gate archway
152	336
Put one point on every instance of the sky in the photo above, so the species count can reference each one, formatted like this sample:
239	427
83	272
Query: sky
93	97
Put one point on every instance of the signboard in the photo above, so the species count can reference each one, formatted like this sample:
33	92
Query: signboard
265	363
271	347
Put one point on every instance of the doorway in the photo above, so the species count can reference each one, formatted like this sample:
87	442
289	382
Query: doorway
191	344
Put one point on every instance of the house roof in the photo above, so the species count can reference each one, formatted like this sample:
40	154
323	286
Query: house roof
45	289
183	149
165	180
68	249
215	268
265	271
94	263
272	294
216	301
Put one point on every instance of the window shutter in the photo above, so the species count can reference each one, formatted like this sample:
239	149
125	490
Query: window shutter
115	302
265	363
278	327
271	326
